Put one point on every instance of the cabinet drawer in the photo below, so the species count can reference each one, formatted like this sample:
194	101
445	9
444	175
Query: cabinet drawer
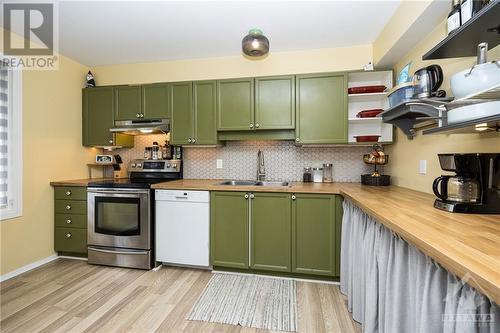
71	206
71	193
70	240
71	220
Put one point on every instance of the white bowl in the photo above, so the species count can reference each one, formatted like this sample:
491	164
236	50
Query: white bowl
474	111
482	77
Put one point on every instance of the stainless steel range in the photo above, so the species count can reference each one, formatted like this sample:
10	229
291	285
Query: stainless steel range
121	214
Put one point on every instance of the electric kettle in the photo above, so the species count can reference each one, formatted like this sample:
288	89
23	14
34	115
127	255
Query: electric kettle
426	82
456	189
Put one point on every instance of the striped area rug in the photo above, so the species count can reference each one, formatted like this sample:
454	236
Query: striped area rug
247	300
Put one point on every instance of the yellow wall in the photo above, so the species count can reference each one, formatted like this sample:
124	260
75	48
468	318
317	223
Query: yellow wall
405	154
52	150
277	63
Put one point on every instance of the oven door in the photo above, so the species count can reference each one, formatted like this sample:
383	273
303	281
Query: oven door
119	218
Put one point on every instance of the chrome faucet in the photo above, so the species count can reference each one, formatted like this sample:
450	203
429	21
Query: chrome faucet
261	169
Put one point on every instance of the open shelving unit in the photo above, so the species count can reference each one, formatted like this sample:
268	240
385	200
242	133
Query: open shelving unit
360	102
483	27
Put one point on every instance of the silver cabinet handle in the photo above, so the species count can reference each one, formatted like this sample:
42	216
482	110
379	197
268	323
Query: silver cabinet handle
257	125
189	140
68	207
142	115
251	125
68	193
194	140
68	221
297	139
68	235
246	196
110	141
252	196
294	197
138	115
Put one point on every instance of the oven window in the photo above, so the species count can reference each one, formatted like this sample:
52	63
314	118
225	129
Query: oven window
117	216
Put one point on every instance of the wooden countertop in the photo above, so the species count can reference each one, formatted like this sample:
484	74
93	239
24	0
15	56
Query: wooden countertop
212	185
77	182
467	245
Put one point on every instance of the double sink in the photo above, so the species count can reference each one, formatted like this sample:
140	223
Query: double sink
253	183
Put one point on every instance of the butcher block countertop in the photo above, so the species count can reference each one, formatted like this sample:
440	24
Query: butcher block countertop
77	182
467	245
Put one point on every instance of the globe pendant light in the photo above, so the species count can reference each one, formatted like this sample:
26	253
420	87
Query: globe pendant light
255	44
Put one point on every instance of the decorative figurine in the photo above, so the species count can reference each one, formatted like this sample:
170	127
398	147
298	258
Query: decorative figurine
90	80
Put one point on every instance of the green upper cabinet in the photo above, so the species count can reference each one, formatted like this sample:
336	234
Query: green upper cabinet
270	232
235	104
155	101
205	111
229	229
313	234
182	131
275	102
128	105
321	108
97	116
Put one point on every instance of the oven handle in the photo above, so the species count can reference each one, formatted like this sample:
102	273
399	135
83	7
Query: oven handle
115	191
117	252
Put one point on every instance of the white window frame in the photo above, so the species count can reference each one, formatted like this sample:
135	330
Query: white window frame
15	175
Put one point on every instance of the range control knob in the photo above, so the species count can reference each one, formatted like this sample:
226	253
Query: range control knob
133	165
174	165
139	165
168	166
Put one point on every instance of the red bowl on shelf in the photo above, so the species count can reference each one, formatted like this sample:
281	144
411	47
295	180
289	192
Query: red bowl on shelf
367	89
367	138
369	113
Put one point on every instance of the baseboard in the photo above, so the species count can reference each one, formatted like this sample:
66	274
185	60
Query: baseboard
28	267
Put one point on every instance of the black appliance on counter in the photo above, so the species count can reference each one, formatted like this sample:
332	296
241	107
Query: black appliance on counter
475	187
121	214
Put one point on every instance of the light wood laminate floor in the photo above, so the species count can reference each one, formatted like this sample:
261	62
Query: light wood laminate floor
72	296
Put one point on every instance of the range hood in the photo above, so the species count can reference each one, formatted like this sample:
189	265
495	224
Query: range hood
141	127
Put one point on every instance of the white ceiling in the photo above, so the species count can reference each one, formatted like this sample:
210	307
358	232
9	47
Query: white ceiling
112	32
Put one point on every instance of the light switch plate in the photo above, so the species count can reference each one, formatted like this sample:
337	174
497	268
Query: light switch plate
219	164
422	167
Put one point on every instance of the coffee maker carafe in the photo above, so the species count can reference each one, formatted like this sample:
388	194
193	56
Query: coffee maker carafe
474	188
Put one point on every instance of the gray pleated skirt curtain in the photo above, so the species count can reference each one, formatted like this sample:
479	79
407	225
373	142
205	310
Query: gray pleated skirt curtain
392	287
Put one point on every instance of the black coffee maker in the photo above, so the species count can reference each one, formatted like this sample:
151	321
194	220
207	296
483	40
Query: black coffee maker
475	187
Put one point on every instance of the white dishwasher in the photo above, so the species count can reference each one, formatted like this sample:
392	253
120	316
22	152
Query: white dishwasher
182	227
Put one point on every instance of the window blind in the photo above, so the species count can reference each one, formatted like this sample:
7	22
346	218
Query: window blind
4	137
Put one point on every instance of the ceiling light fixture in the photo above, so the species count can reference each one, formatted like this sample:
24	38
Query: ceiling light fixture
255	44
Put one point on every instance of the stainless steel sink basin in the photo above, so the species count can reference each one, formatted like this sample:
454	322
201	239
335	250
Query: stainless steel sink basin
253	183
239	183
260	183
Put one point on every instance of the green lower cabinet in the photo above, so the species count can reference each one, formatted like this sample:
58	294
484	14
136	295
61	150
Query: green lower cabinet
229	229
70	240
313	234
270	232
339	212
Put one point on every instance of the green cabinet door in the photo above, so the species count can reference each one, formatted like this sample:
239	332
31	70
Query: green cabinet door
97	116
270	232
182	122
339	213
235	104
128	104
321	108
155	101
229	229
205	110
313	234
275	103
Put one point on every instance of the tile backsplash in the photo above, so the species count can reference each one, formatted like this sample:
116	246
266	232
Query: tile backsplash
283	160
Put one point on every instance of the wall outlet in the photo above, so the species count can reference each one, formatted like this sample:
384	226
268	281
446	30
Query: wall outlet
219	164
422	167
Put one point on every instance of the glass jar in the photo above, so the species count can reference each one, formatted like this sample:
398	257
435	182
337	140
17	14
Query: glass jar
147	153
155	151
317	175
307	176
327	173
